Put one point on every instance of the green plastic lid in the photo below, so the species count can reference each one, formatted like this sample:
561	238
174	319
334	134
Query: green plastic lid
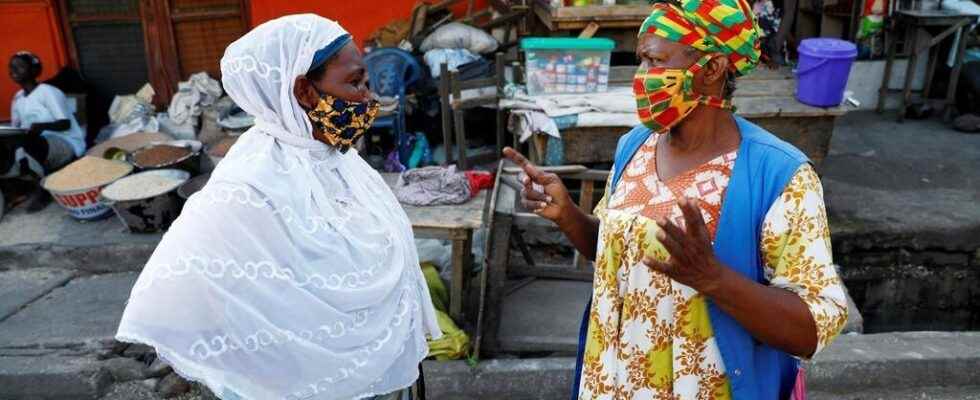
594	44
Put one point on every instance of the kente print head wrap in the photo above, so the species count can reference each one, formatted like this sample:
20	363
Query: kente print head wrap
711	26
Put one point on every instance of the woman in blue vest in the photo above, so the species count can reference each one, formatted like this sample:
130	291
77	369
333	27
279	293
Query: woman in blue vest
714	274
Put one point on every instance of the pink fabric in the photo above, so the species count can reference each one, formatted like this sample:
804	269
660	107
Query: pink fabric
799	389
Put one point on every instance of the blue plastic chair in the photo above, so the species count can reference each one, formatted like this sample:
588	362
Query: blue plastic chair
390	72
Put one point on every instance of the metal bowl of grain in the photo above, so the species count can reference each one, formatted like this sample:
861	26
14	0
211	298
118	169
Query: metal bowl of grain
179	154
147	202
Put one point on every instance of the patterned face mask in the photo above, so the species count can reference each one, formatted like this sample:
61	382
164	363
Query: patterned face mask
340	123
664	95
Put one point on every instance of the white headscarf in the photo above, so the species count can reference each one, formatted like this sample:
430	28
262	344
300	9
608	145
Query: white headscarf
293	274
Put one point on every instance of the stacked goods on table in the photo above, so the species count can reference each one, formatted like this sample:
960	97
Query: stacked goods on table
567	65
77	186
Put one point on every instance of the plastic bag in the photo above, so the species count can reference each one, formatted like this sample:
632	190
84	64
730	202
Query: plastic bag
435	251
453	58
185	131
454	343
456	35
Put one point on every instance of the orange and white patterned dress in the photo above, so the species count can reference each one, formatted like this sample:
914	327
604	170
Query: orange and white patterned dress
649	336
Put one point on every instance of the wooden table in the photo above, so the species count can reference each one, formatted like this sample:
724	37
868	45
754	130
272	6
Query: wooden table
950	22
453	223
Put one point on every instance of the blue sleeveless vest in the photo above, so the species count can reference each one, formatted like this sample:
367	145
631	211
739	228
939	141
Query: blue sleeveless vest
764	166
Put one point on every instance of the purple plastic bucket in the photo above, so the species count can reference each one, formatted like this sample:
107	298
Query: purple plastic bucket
821	75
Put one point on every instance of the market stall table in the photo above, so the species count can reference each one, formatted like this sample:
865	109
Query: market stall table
456	224
765	97
950	23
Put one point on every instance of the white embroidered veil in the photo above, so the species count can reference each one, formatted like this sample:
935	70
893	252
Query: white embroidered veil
293	274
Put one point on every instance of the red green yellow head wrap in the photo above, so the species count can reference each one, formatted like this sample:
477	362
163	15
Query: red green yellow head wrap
722	26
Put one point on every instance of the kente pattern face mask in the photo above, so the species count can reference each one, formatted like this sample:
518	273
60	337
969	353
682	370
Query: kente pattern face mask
341	123
664	96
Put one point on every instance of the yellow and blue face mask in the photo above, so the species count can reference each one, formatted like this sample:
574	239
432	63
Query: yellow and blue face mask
341	123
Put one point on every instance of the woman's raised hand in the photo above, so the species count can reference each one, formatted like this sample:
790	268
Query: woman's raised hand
543	192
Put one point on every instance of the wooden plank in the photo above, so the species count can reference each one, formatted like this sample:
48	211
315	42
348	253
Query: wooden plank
205	14
809	134
476	83
591	144
460	129
551	271
765	88
599	175
487	252
461	250
472	102
585	200
447	127
589	31
76	19
603	13
543	12
517	13
754	107
498	260
531	219
559	169
763	73
442	5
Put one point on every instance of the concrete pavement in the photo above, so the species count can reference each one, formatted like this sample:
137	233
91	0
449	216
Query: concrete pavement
57	347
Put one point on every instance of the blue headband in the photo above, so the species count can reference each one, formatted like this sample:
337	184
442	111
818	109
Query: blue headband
321	56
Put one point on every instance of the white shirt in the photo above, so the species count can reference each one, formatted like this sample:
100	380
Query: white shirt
47	103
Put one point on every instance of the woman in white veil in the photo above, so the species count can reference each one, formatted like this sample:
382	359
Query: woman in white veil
293	274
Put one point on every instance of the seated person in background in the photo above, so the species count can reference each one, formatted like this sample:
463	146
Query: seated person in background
54	139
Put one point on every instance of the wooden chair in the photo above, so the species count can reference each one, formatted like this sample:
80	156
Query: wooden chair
456	98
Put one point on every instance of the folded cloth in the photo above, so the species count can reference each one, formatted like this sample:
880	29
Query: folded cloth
525	123
430	186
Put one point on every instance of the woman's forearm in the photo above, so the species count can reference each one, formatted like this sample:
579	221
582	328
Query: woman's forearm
774	316
582	230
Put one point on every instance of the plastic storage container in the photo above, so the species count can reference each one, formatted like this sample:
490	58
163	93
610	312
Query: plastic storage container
566	65
823	69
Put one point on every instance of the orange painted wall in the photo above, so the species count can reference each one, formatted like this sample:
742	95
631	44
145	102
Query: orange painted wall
359	17
32	26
